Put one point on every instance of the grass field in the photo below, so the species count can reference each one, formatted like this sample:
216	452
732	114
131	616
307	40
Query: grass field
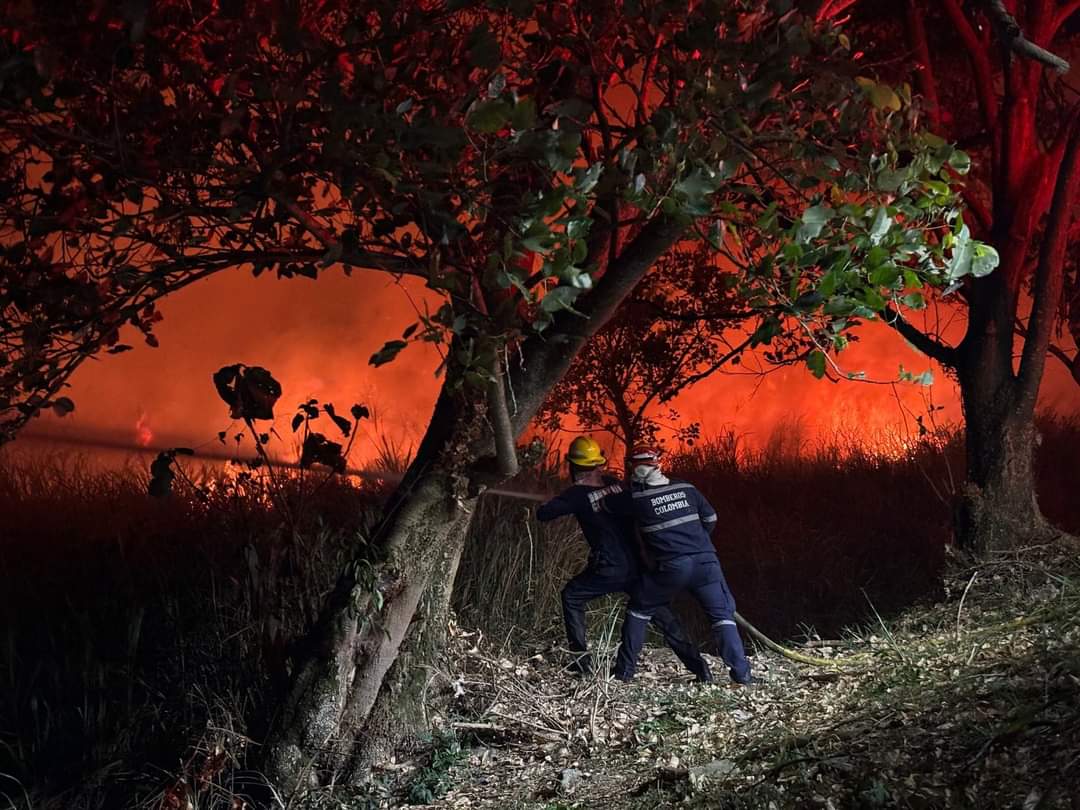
144	640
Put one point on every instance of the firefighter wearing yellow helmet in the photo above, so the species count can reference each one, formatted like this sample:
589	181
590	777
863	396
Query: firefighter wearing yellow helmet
615	563
585	452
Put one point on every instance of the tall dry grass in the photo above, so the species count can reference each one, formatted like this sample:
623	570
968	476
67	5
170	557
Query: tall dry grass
814	533
132	625
147	639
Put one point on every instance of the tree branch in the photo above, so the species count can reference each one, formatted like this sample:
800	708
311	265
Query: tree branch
1010	31
505	445
370	259
980	62
546	357
715	366
924	70
831	9
926	344
1071	363
1049	276
1063	15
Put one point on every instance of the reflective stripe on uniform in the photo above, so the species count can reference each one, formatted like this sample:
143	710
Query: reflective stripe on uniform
709	519
596	497
651	491
645	617
724	622
667	524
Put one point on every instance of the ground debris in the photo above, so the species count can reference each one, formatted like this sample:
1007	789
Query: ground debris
944	708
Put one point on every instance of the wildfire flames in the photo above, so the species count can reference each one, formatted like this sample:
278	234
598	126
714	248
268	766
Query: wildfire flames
143	434
326	360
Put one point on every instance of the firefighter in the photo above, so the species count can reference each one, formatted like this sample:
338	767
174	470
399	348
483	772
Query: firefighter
614	558
676	522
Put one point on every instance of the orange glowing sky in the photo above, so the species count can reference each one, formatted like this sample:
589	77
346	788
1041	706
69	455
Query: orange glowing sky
316	338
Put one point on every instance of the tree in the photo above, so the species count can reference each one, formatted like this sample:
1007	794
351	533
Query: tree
529	162
684	322
1004	100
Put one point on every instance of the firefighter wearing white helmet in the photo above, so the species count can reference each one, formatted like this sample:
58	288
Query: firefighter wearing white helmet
676	522
614	558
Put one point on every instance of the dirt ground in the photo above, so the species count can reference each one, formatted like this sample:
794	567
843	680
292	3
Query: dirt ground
970	702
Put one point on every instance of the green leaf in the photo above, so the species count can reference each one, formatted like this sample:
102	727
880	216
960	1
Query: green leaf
827	286
984	259
698	184
839	305
881	95
387	353
538	237
816	363
962	253
914	300
939	187
960	162
586	179
882	223
583	281
890	180
560	298
813	221
524	114
490	116
578	228
885	276
876	257
875	302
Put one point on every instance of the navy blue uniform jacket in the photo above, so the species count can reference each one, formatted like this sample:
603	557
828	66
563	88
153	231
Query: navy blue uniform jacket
673	518
610	537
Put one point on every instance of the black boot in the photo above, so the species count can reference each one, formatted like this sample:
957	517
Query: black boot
581	665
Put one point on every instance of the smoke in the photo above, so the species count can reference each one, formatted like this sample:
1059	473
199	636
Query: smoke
316	338
872	412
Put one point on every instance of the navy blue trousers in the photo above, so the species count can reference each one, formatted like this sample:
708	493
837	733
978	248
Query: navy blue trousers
592	583
701	575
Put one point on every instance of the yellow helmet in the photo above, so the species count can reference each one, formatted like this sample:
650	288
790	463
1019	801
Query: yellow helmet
585	452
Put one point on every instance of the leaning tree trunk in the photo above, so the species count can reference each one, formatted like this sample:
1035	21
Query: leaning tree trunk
354	691
372	613
400	710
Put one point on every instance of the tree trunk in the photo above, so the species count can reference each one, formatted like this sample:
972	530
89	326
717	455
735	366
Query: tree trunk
351	696
364	625
400	710
997	508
